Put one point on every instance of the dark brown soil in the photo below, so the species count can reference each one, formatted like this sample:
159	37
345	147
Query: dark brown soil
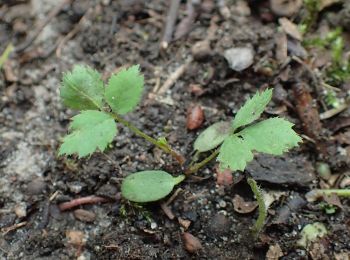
34	181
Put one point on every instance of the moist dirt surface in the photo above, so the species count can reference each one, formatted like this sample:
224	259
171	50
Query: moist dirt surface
211	214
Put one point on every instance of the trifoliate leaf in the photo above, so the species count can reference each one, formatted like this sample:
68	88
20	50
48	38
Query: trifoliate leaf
82	88
234	153
212	136
147	186
252	109
273	136
90	130
124	90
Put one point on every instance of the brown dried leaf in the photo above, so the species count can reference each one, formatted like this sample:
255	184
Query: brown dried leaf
242	206
333	200
307	112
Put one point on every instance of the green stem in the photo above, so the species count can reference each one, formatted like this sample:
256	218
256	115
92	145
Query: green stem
5	55
194	168
262	207
339	192
165	147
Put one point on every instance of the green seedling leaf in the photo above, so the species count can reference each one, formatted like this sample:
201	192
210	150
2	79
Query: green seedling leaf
273	136
6	54
90	130
234	153
213	136
252	109
147	186
124	90
82	89
162	141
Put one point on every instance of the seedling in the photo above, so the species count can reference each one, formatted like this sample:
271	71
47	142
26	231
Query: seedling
272	136
233	143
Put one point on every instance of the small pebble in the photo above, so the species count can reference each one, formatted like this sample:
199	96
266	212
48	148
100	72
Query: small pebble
201	50
75	187
108	191
75	238
239	58
84	215
154	225
222	204
36	186
195	117
191	243
21	210
219	225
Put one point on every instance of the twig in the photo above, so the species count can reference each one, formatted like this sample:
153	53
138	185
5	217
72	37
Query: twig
54	195
167	211
332	112
165	205
174	76
170	22
171	199
13	227
199	165
72	33
48	18
81	201
186	24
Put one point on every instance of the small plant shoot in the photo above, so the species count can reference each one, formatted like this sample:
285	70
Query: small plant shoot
233	143
94	128
272	136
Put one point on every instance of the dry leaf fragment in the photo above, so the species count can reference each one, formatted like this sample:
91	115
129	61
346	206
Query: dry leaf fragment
274	252
290	28
185	223
242	206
